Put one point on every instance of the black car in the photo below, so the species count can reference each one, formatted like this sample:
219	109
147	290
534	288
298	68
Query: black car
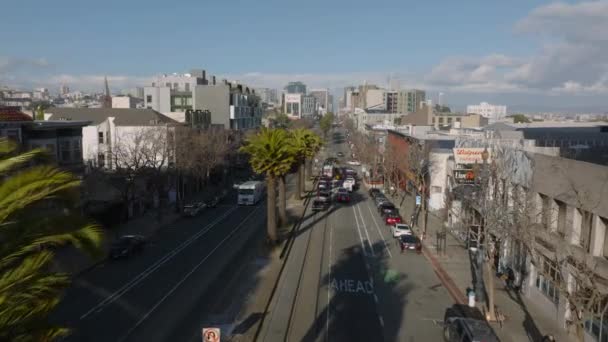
373	192
126	245
386	207
389	211
320	204
464	323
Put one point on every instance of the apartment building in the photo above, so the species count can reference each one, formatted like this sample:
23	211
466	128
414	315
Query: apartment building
490	111
232	105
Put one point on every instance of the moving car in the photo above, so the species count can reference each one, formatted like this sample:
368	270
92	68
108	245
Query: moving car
349	184
380	199
323	185
320	204
410	242
343	195
340	154
193	209
464	323
392	219
389	211
401	229
325	194
126	245
354	162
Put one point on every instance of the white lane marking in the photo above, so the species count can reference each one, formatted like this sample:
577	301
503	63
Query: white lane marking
359	231
379	232
170	292
369	241
375	298
143	275
381	320
331	233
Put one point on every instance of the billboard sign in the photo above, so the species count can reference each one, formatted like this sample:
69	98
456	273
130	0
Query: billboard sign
470	155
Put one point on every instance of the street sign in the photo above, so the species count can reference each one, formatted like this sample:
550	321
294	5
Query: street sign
211	334
418	200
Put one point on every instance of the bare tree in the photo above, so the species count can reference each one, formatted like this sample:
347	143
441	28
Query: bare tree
142	154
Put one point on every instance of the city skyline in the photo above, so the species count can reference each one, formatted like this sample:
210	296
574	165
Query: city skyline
538	54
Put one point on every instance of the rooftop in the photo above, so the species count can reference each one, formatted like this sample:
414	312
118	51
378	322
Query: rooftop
123	116
13	114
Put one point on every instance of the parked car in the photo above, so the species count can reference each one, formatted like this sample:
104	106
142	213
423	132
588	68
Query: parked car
410	242
193	209
343	195
320	204
126	245
401	229
386	206
373	192
340	154
392	219
464	323
212	203
354	162
324	193
323	185
389	211
380	199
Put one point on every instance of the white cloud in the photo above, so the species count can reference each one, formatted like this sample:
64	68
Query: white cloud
571	60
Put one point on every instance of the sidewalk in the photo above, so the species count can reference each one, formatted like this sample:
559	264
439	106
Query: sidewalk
523	322
73	261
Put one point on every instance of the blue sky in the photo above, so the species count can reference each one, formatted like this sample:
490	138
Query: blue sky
462	48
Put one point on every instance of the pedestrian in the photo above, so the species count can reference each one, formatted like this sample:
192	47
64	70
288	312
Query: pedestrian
400	245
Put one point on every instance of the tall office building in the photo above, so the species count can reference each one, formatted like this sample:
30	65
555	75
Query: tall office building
322	96
268	95
64	89
295	88
408	101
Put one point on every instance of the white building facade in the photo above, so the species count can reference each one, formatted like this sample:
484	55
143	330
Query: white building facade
487	110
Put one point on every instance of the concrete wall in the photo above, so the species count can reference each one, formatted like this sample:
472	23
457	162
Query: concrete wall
216	99
439	173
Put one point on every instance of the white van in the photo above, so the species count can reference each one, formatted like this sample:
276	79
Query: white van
250	193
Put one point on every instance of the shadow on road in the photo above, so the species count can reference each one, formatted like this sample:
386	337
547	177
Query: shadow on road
352	313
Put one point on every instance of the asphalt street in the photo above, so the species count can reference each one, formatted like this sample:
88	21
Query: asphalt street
346	280
147	296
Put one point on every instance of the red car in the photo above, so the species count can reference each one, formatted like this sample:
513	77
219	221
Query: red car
392	219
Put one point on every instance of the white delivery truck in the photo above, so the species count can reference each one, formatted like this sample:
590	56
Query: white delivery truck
250	192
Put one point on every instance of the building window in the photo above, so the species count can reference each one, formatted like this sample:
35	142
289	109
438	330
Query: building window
449	120
586	224
599	322
441	120
64	151
187	86
433	120
546	211
148	98
168	85
561	217
175	86
604	225
547	280
154	84
436	189
100	137
457	119
12	134
101	160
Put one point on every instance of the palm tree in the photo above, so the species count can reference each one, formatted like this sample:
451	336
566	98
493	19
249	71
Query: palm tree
306	145
271	154
313	145
36	216
299	137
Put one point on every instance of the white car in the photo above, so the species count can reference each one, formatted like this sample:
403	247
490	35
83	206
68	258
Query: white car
401	229
354	163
